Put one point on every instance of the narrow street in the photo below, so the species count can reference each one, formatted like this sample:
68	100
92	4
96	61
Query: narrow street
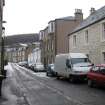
52	52
29	88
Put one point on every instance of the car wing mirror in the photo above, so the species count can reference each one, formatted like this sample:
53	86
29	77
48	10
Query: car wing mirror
92	64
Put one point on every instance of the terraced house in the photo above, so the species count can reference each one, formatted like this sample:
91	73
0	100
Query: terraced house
19	46
89	36
54	38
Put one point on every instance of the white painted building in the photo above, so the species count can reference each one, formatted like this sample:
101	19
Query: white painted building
35	56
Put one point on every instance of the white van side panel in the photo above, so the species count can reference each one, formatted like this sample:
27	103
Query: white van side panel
60	65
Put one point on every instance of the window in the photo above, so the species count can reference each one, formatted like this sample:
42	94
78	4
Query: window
48	46
52	46
100	69
79	60
87	55
23	53
86	36
103	56
74	40
103	28
67	62
52	58
51	27
41	35
95	68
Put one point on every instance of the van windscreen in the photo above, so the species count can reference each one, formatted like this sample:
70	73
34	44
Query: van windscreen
79	60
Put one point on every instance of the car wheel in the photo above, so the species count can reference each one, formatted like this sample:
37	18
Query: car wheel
57	76
47	74
90	83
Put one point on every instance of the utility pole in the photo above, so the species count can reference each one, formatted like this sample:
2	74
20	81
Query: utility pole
2	3
2	71
2	52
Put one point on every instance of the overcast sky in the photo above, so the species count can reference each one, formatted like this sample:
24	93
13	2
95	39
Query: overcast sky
31	16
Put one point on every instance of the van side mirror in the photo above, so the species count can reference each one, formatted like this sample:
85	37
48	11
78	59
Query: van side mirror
68	63
69	66
92	64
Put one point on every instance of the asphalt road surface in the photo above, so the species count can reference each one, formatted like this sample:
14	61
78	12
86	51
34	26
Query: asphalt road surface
38	89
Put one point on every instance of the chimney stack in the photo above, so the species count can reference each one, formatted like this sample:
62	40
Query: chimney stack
92	10
78	14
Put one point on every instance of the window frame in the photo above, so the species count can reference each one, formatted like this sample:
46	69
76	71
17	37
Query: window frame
86	36
103	55
103	31
74	40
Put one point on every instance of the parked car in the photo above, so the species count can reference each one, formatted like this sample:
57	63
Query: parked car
32	66
23	63
96	76
38	67
50	70
73	66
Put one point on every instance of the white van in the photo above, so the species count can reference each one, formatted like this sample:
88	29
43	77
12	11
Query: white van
72	65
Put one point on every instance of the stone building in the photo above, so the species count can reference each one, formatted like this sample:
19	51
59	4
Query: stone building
54	38
89	36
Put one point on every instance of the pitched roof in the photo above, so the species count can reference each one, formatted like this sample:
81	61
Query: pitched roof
66	18
21	38
93	18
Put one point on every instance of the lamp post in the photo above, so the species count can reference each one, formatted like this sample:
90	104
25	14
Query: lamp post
2	30
2	62
3	72
2	52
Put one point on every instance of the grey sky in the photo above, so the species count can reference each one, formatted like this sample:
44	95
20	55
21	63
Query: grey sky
31	16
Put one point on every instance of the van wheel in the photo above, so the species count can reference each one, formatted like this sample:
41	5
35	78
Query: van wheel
72	79
57	76
47	74
90	83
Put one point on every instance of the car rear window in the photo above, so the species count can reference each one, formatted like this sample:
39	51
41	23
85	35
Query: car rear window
102	68
95	68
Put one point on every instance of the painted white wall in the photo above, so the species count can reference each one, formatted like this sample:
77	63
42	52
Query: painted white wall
35	56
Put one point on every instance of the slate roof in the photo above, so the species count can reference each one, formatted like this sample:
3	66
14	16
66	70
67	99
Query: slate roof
66	18
93	18
21	38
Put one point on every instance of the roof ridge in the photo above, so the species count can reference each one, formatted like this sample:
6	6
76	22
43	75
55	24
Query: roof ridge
91	19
